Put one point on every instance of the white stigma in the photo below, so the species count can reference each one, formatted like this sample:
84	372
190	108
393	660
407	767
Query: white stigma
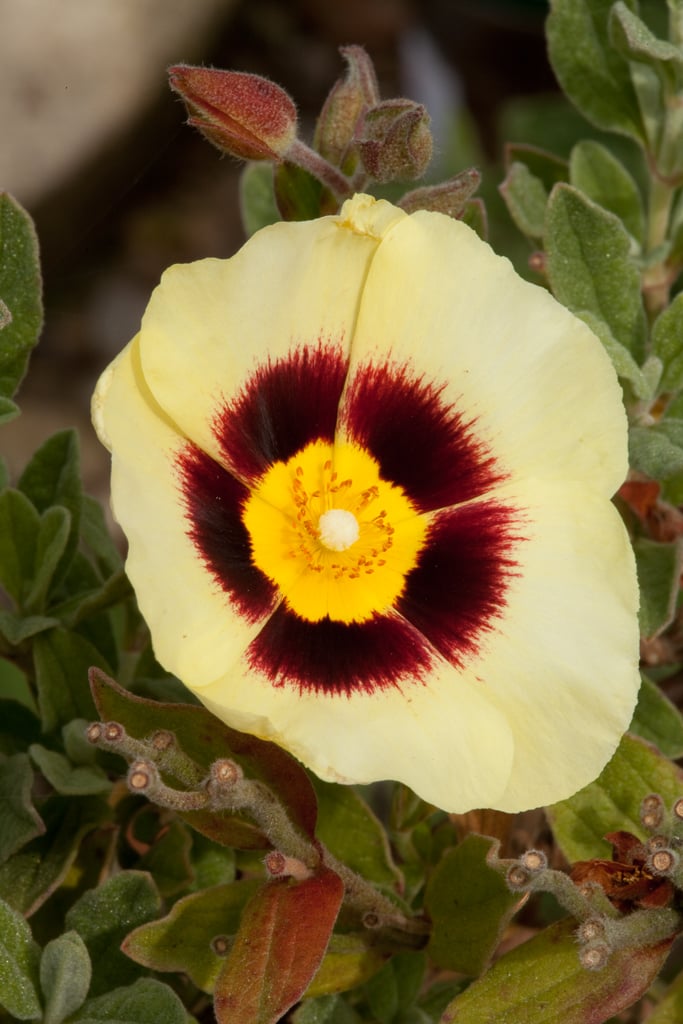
338	529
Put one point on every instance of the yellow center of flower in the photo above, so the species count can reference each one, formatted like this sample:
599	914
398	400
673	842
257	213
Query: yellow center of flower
336	538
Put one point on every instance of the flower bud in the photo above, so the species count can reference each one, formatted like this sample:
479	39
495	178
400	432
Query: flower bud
395	143
344	107
242	114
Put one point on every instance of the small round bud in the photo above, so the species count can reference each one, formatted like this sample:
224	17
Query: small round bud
662	862
678	808
220	945
652	811
113	732
141	775
371	920
518	877
275	862
162	739
534	860
594	958
94	732
226	772
590	930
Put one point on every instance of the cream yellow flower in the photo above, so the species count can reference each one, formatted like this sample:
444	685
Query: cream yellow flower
365	474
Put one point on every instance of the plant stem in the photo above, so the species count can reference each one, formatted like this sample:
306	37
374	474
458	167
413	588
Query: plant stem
657	278
305	157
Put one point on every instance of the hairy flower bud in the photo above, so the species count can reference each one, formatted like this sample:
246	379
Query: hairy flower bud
344	107
244	115
449	197
395	143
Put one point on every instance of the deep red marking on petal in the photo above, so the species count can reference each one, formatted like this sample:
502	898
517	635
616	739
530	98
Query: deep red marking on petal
213	500
284	405
457	591
339	658
421	442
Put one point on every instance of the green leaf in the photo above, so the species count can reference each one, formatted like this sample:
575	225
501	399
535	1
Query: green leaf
19	527
659	574
168	859
651	452
19	820
634	41
395	987
145	1002
298	194
657	720
594	76
623	362
257	198
351	831
14	685
282	937
19	959
547	167
98	538
204	739
612	802
53	477
212	864
470	905
65	972
66	778
62	660
53	537
21	309
29	877
667	343
327	1010
350	961
17	628
543	982
104	916
9	410
589	265
525	196
181	941
597	173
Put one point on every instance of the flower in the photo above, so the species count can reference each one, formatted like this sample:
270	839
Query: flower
364	471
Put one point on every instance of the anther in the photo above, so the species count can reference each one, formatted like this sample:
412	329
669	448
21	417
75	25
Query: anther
94	732
590	930
662	862
678	808
113	732
534	860
518	877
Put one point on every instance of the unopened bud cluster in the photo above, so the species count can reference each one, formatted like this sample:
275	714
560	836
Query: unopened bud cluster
359	138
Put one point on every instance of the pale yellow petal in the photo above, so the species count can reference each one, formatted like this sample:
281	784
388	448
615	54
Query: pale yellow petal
195	632
538	383
563	664
442	738
210	324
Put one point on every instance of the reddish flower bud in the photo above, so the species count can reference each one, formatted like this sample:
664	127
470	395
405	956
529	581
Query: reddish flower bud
344	107
395	143
242	114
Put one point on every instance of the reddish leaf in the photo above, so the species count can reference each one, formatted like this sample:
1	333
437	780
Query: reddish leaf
205	738
282	939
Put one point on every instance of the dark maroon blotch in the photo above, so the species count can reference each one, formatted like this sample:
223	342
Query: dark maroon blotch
457	591
213	500
339	658
421	443
285	405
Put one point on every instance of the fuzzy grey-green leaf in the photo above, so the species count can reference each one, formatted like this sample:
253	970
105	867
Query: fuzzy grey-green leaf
594	76
590	266
20	293
659	571
525	197
19	958
596	172
65	973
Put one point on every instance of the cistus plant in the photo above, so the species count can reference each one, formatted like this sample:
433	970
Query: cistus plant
371	725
